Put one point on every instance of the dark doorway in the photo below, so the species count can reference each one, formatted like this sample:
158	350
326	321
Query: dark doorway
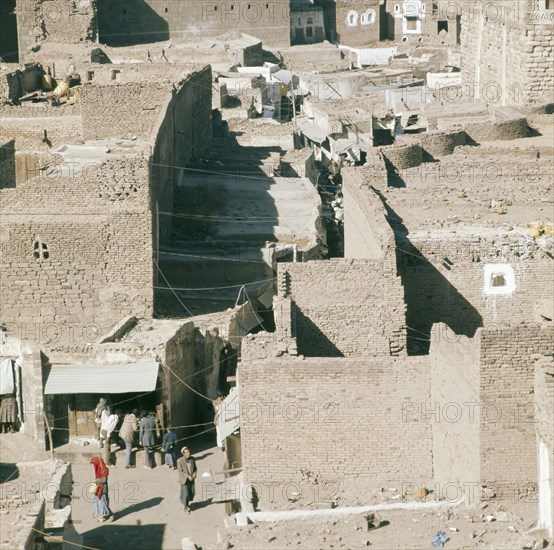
8	32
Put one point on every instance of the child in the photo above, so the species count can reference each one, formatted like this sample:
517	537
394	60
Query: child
168	447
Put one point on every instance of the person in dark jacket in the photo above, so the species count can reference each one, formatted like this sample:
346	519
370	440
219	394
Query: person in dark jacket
168	447
187	475
148	438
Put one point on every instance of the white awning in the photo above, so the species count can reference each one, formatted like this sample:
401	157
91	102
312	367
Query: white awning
313	132
133	377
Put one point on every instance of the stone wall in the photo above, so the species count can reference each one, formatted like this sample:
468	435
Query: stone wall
345	307
71	267
508	418
155	20
336	422
454	410
507	53
7	163
58	21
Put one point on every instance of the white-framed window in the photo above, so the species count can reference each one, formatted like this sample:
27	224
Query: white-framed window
422	8
499	279
404	39
310	21
352	18
397	8
368	18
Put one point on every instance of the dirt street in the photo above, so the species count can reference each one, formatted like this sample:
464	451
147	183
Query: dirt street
146	506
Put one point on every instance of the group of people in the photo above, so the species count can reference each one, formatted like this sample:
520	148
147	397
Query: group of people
141	428
186	466
8	413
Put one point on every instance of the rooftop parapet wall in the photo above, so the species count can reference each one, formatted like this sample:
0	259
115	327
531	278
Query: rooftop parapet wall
367	234
345	307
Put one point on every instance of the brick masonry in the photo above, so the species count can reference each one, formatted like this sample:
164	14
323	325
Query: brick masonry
508	449
507	53
339	419
444	281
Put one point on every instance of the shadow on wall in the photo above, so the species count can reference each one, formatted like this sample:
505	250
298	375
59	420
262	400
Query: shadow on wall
8	32
329	18
126	24
430	297
310	340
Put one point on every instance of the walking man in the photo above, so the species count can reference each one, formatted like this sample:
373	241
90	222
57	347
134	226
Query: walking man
187	474
148	438
127	433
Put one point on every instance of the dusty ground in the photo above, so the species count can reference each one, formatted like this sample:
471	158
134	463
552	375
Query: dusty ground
399	530
146	506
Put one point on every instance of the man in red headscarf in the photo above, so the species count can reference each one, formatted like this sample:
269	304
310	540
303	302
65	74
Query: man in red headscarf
101	504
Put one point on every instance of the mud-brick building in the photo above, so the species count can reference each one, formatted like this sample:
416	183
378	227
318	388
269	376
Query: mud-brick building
79	226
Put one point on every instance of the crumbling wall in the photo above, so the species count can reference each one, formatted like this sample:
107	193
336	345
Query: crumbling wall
454	410
72	268
437	144
347	432
493	129
400	157
345	307
191	359
508	416
507	53
58	21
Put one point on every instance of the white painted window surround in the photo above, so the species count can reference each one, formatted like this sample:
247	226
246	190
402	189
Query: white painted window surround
499	279
352	18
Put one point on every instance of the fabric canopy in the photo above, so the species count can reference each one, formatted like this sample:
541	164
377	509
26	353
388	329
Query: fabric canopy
133	377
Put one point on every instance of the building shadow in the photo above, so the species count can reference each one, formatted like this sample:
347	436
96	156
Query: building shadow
138	537
429	296
8	472
311	341
150	503
127	24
